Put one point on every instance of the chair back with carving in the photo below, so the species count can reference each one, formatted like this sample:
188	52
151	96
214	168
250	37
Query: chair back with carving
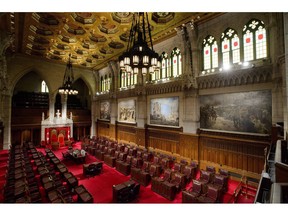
212	193
177	167
167	175
197	187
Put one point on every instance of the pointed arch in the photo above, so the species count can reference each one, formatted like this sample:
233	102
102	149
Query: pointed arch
176	62
210	53
230	47
254	40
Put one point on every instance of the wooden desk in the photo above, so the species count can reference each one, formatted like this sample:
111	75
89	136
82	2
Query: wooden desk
164	188
83	195
120	187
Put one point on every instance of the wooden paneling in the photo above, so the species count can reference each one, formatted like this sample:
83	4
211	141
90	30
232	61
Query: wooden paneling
103	129
141	136
164	139
239	153
112	131
126	133
188	146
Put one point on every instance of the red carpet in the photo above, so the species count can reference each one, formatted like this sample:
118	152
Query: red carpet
101	186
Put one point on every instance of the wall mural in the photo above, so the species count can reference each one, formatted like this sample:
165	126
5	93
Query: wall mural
164	111
105	110
126	111
244	112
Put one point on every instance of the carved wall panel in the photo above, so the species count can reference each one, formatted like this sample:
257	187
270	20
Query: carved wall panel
126	133
188	146
242	153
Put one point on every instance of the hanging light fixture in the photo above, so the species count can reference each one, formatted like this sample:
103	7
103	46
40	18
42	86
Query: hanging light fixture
68	80
139	58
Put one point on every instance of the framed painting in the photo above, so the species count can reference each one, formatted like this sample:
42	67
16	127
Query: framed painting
105	110
242	112
164	111
127	111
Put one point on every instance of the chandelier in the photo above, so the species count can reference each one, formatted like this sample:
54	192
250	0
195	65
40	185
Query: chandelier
139	58
68	80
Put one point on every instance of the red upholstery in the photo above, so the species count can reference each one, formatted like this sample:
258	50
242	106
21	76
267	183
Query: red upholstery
177	167
146	166
212	196
179	181
167	175
191	195
189	173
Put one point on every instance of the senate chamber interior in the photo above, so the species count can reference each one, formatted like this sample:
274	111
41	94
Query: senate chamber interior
143	107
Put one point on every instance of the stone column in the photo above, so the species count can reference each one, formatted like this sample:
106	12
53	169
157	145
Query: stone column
285	76
6	100
64	98
51	106
141	117
191	109
5	89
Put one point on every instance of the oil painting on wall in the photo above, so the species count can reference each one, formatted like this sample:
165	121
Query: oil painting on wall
126	111
243	112
105	110
164	111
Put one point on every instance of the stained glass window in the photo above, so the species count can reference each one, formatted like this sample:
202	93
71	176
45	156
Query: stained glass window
129	78
176	62
230	47
123	79
164	65
135	76
210	53
44	87
102	84
254	40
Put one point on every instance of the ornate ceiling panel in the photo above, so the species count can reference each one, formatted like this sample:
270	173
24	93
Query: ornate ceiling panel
92	39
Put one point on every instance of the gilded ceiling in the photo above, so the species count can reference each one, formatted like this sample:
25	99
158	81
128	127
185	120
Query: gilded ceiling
92	39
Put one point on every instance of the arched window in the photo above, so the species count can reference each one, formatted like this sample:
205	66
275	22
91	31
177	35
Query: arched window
230	47
254	40
102	84
128	76
105	83
164	65
210	53
135	76
44	87
176	62
123	79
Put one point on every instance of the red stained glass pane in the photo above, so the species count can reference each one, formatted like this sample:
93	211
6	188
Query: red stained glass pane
180	59
225	46
163	65
260	36
215	49
206	52
235	44
248	40
174	61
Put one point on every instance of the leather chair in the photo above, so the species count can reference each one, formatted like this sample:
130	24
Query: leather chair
167	175
146	166
177	167
189	172
219	183
212	196
179	180
154	170
191	195
211	169
205	178
225	174
93	169
137	162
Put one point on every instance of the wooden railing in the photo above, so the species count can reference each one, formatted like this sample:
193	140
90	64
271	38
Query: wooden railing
237	191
